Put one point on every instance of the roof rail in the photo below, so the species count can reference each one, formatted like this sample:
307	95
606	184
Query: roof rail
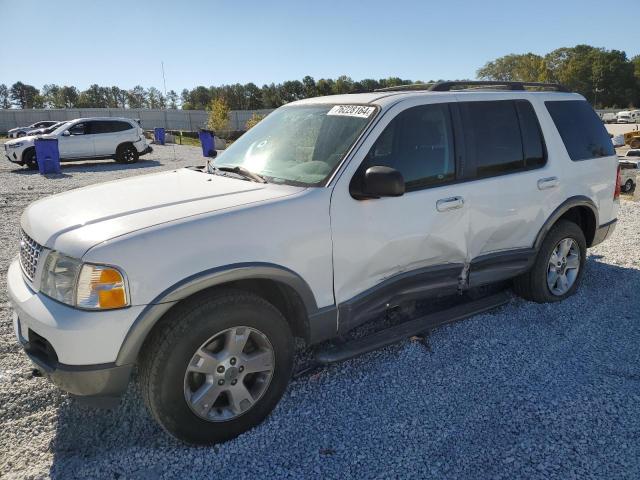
477	84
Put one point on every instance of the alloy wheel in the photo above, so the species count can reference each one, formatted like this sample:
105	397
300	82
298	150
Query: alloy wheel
563	266
229	373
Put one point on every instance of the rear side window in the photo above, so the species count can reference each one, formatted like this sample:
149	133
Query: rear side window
581	129
493	134
501	137
109	126
532	143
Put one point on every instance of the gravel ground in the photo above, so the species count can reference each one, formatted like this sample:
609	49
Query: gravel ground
526	391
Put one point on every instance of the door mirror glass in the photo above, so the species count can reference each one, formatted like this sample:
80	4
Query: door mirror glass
379	181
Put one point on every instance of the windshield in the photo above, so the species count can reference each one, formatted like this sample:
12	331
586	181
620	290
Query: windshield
299	145
58	129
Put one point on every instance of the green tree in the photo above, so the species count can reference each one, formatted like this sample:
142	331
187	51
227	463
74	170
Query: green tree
518	68
5	102
310	89
137	97
51	96
343	84
218	116
68	97
172	99
24	96
254	120
155	99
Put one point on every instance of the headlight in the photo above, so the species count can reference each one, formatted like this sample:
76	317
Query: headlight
59	277
83	285
101	287
14	145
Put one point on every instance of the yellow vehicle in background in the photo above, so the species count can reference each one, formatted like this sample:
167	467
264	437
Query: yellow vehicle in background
632	139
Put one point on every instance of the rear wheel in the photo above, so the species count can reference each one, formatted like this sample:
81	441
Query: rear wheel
559	266
635	143
217	366
628	186
127	154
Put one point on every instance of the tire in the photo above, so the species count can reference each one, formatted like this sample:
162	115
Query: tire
169	354
628	186
127	154
534	285
635	143
29	159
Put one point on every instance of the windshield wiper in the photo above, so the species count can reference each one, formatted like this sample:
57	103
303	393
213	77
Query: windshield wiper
242	171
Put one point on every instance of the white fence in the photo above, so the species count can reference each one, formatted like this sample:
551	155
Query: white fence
185	120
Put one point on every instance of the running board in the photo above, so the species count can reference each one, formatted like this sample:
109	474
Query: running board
407	329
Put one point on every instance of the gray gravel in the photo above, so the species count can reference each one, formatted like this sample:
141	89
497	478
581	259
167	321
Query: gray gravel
526	391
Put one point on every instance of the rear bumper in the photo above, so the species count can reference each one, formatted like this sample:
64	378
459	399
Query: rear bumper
603	232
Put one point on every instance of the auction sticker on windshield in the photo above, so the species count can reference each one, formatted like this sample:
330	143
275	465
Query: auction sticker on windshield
351	111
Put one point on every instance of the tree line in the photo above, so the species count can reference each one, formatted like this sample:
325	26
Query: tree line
21	95
607	78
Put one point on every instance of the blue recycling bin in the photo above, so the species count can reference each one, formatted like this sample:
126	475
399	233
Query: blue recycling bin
207	140
47	155
158	134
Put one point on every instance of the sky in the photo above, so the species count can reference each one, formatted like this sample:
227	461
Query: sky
118	42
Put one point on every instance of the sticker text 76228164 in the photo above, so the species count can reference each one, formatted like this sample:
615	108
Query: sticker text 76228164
362	111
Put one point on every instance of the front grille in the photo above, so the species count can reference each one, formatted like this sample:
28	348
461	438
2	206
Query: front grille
29	255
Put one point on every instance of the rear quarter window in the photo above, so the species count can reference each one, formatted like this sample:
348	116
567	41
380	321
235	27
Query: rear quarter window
581	130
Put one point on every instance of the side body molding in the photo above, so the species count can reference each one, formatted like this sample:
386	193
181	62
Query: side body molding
322	322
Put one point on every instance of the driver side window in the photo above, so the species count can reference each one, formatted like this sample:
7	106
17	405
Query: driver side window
78	129
419	144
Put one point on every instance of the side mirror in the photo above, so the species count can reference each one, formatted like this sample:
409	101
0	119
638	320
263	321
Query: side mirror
66	133
378	182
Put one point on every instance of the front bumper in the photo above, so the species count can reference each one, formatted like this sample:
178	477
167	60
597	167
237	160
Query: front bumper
76	349
108	380
13	154
604	231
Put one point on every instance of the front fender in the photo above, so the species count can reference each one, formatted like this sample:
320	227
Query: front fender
145	322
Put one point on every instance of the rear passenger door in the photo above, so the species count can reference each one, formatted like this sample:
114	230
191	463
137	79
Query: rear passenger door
110	134
511	188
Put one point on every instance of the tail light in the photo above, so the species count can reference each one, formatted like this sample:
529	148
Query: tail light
616	192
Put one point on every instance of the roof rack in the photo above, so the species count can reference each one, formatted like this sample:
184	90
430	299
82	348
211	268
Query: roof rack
476	84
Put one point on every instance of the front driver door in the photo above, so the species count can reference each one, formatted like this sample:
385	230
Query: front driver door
79	142
391	249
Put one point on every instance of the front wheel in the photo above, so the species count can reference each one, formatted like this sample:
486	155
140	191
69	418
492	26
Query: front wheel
29	159
559	265
628	186
217	366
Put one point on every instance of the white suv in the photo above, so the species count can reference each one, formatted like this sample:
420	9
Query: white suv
86	138
327	214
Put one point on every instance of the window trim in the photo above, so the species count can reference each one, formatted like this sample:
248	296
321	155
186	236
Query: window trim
470	157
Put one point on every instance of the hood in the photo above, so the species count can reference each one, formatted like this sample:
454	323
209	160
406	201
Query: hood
26	138
74	221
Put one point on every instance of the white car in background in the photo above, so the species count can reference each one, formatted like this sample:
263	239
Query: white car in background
627	116
86	138
24	131
609	117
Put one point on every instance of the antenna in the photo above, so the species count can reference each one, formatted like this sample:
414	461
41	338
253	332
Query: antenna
166	122
164	81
